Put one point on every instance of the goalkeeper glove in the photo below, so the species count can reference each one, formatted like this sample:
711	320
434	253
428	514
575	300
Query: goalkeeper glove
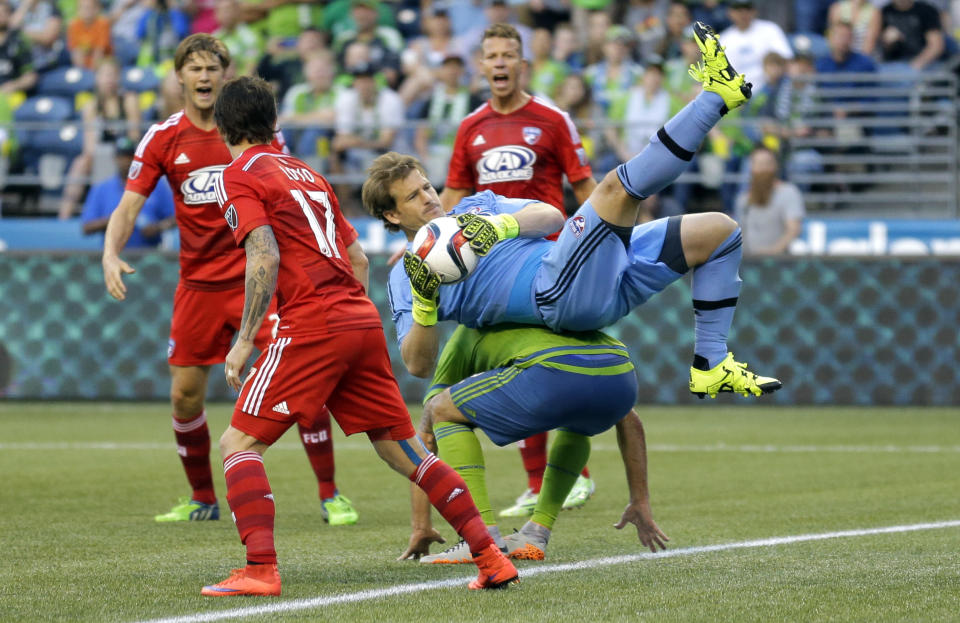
485	231
424	284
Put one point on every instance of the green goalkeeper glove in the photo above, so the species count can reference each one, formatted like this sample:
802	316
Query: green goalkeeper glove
485	231
424	284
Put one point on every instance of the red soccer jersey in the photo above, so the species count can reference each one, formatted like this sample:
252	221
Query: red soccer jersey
316	289
192	159
522	155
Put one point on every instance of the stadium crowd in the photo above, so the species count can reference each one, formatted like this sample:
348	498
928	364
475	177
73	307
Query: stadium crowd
356	78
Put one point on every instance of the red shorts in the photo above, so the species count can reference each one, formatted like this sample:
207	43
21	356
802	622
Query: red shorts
204	324
349	371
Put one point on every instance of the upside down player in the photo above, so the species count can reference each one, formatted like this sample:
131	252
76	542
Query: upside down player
519	146
209	297
330	348
510	381
600	268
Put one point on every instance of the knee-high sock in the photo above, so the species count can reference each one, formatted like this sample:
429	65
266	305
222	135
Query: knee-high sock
533	451
672	148
449	495
318	443
716	288
458	446
193	446
568	455
251	502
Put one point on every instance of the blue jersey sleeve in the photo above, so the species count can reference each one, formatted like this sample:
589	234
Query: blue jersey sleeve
401	301
488	202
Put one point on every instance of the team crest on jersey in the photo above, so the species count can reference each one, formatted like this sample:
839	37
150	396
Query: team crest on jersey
134	171
582	156
577	225
199	186
231	216
509	163
531	134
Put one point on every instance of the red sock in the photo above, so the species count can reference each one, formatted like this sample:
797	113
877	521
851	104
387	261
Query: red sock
318	442
250	499
193	446
585	472
533	451
448	494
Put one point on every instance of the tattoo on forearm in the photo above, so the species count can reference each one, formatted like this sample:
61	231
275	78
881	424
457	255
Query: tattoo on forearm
262	263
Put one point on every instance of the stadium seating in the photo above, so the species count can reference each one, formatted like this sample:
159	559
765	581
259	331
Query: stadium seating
139	79
66	82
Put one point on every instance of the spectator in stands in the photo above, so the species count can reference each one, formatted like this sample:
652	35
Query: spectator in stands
450	101
16	62
811	16
574	97
203	16
423	57
863	17
546	73
109	116
338	18
843	57
159	31
598	25
42	24
648	108
910	36
496	12
767	114
612	77
283	67
566	49
282	21
155	217
245	43
368	118
384	41
124	17
88	35
749	40
677	21
771	212
308	113
646	19
713	12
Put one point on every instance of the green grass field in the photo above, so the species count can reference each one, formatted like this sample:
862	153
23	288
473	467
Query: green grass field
81	483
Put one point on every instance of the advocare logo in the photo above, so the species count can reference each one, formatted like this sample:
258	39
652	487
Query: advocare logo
199	186
509	163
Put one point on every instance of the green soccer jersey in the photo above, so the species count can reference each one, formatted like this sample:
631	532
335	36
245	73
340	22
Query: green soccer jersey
470	351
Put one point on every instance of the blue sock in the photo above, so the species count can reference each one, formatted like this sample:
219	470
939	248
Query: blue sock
672	148
716	286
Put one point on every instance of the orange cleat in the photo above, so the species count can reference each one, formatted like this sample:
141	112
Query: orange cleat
262	580
496	571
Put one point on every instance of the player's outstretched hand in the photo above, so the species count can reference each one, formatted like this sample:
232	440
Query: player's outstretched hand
638	513
236	359
424	284
485	231
420	541
113	271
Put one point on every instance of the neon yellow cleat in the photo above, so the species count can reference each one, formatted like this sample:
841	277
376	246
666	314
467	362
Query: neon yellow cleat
338	511
190	510
523	507
715	72
582	490
730	376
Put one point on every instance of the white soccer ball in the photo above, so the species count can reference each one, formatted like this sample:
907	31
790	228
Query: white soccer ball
444	249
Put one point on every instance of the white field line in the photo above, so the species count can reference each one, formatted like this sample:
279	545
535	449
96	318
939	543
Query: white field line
403	589
597	447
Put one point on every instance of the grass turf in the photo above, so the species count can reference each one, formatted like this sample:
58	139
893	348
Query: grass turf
82	482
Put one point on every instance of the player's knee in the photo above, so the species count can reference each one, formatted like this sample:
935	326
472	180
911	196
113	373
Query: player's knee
703	233
440	408
187	401
609	189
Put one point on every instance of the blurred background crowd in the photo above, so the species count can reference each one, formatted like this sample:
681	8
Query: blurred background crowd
854	101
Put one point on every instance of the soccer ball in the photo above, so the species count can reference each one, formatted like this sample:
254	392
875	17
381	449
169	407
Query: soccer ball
441	245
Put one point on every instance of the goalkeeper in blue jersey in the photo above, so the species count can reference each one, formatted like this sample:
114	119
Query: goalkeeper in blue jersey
600	268
515	381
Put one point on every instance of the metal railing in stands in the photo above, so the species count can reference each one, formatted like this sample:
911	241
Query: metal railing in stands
884	143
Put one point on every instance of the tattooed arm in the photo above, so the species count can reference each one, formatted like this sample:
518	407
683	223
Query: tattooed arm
263	262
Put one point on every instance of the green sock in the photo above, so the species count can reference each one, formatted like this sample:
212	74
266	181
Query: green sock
459	448
568	455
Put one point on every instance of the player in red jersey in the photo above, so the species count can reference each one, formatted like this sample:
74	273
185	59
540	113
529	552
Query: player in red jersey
330	348
209	298
520	146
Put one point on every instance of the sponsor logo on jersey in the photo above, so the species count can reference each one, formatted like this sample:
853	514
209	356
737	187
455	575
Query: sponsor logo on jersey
182	159
577	225
479	140
531	134
509	163
231	216
198	187
134	171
